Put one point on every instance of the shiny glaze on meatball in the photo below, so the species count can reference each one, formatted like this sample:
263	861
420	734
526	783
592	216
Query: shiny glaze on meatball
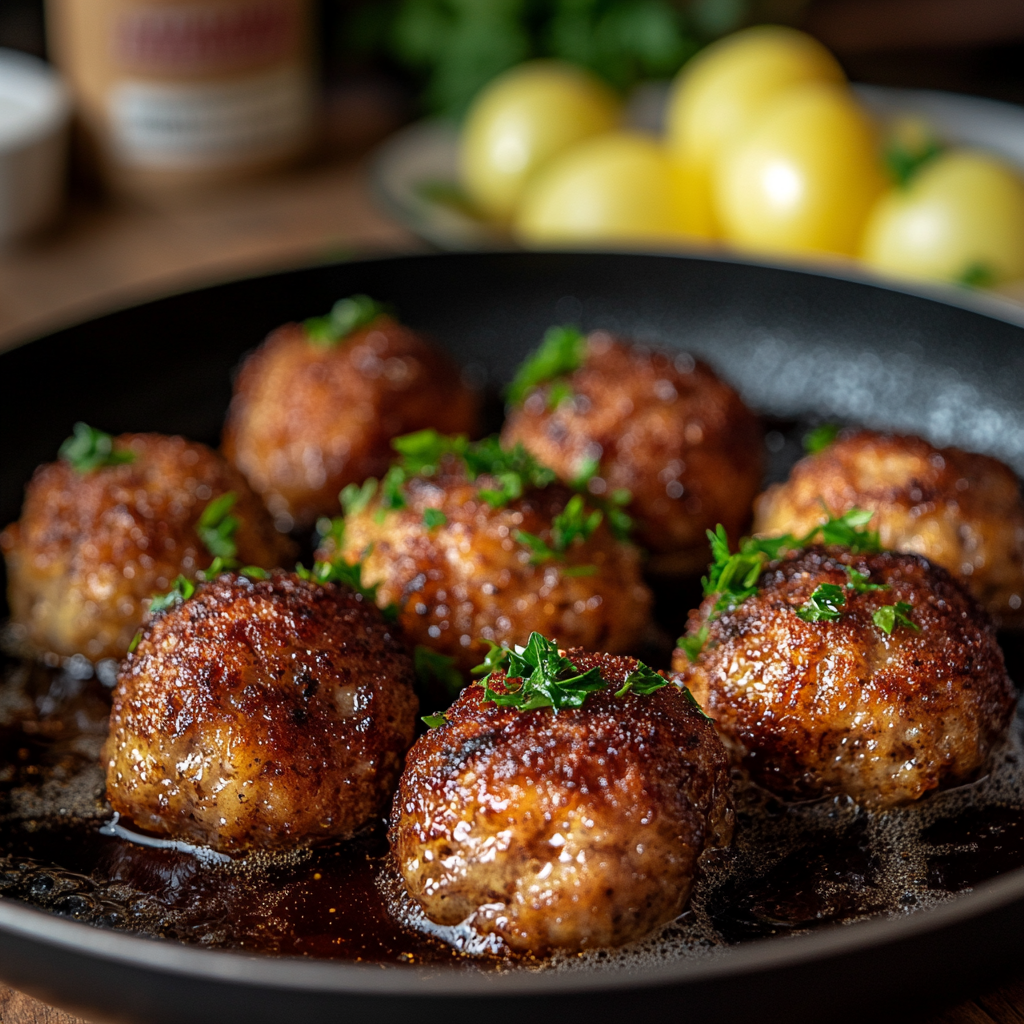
91	548
570	830
308	419
261	715
470	579
961	511
664	427
817	709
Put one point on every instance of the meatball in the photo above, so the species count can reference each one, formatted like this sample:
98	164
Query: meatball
960	510
261	715
94	544
664	428
463	571
308	418
567	830
880	706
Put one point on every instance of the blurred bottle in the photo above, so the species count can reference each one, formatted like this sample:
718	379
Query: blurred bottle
177	96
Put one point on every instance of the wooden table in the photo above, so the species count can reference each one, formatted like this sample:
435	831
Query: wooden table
105	256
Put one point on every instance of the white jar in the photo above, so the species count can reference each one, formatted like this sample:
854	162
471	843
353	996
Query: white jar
34	117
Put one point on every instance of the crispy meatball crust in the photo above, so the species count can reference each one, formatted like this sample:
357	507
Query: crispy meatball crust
817	709
91	548
306	420
667	429
569	831
961	511
470	579
261	715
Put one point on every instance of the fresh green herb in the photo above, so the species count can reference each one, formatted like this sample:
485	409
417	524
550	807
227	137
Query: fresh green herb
331	534
349	574
559	392
696	703
847	531
586	473
691	646
436	673
254	572
889	616
217	527
573	524
346	317
562	352
135	641
818	439
354	498
433	517
903	158
859	581
824	605
546	679
978	275
88	449
494	660
181	590
643	681
542	551
215	568
436	720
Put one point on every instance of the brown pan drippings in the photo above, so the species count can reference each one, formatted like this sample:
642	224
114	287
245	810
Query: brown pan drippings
793	868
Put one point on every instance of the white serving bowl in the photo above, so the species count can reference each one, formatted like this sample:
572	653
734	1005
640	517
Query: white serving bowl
35	112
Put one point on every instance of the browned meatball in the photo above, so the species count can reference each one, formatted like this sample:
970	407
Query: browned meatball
472	577
566	830
960	510
93	546
309	418
261	715
842	707
663	427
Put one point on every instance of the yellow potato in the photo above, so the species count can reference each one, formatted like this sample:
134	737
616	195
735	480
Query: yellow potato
960	219
722	93
805	179
520	121
620	187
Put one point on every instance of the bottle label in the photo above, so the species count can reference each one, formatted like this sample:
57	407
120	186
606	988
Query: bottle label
209	124
198	38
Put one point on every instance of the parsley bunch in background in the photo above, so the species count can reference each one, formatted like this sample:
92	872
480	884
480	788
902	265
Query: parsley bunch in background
454	47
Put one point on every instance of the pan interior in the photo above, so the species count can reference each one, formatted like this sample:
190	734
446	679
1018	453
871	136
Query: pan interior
801	349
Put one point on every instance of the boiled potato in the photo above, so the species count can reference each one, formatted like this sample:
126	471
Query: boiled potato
618	187
961	218
520	121
721	94
805	179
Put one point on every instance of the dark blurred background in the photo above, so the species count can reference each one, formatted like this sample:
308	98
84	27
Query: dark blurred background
438	52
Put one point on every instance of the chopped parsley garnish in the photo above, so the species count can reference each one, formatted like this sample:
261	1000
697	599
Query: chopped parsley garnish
889	616
346	317
350	574
436	673
493	661
978	275
824	605
691	646
88	449
734	577
562	352
135	641
433	517
546	679
818	439
575	523
217	528
642	681
903	158
436	720
354	498
859	581
254	572
181	590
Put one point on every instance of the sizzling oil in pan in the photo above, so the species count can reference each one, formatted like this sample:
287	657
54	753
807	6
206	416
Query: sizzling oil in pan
792	868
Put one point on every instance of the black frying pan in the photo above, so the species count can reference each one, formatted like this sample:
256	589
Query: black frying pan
797	344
